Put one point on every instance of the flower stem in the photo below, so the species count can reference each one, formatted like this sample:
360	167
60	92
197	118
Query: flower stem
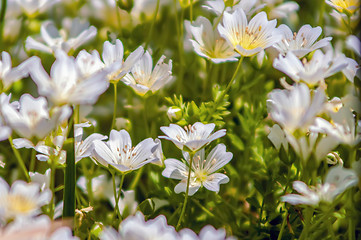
191	154
70	175
152	25
306	228
20	160
32	160
115	105
52	185
2	20
223	94
282	226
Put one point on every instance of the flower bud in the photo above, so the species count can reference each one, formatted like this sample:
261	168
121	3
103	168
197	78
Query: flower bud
174	113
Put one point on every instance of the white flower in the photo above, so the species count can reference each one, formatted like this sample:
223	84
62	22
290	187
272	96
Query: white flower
283	9
295	109
338	179
22	199
102	187
38	228
203	170
33	118
66	84
208	43
5	131
353	43
74	34
88	64
219	7
34	7
248	38
143	79
136	228
84	148
301	43
42	179
119	153
113	60
192	137
349	6
207	233
9	75
321	66
342	127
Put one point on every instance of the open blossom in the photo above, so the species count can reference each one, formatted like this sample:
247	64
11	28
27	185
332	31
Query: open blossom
338	179
66	84
74	34
219	6
311	72
42	179
34	7
295	109
119	153
342	127
9	75
302	42
37	228
142	78
33	118
349	6
248	38
22	199
208	232
208	43
193	137
136	228
203	172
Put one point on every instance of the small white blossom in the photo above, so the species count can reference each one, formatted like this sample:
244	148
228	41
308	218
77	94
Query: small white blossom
143	78
66	84
208	43
74	34
342	127
33	118
295	109
42	179
203	172
354	43
192	137
207	233
301	43
119	153
34	7
349	6
311	72
22	199
9	75
136	228
338	179
248	38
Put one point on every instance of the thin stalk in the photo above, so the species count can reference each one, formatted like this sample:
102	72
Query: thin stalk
204	209
330	229
152	25
116	210
52	186
191	154
32	160
221	97
306	228
2	20
261	214
282	226
20	160
115	104
70	176
137	178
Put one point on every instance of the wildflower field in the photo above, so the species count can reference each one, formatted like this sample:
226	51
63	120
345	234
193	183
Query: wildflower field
180	119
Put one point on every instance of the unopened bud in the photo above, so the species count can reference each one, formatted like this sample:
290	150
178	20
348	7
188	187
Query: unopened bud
174	113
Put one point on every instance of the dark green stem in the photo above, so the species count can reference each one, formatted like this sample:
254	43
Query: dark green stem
191	154
115	105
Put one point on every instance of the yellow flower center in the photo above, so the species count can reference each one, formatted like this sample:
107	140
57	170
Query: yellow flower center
20	204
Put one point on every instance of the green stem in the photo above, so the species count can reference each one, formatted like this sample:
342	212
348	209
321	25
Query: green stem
152	25
115	104
116	210
191	154
70	175
20	160
2	20
52	185
137	178
32	160
282	226
306	228
229	85
330	229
